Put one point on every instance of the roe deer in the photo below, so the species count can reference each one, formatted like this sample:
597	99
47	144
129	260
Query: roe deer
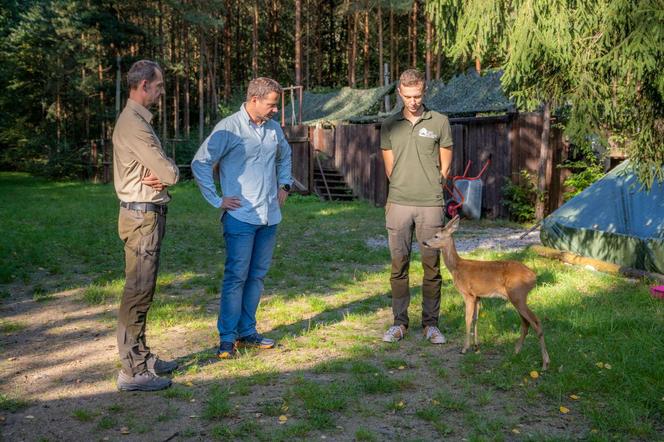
509	280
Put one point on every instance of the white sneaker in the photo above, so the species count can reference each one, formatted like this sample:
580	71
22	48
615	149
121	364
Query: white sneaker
433	335
394	333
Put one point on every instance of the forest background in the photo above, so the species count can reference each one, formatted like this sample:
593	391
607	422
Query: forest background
596	65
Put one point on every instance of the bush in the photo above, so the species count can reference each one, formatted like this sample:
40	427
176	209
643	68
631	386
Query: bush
520	198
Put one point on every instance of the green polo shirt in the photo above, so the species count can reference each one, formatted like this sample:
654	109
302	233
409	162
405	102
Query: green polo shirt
415	179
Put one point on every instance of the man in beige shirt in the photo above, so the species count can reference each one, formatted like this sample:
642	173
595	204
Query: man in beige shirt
141	174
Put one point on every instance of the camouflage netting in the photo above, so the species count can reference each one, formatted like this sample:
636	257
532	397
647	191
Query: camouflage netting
341	105
468	94
465	95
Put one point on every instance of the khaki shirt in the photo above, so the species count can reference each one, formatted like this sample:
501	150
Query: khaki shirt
415	179
137	152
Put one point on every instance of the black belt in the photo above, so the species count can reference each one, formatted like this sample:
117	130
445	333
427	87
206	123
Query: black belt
146	207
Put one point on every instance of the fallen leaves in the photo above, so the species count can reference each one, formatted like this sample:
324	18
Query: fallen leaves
534	374
574	397
564	410
282	419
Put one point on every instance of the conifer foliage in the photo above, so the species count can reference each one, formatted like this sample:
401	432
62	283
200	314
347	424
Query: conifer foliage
602	60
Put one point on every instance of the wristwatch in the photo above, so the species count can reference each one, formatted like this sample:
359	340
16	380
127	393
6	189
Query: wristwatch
286	187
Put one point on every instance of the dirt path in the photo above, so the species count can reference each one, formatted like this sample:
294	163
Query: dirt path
64	363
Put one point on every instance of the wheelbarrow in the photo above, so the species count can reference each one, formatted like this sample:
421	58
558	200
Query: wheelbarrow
465	193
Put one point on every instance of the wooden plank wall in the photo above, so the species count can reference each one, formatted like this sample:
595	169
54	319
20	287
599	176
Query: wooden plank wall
302	169
513	141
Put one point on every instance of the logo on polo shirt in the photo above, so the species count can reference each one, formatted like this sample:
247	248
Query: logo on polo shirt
426	133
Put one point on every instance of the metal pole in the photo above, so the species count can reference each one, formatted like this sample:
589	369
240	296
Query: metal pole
386	76
299	109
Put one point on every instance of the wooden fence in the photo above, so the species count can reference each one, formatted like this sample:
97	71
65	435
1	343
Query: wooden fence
513	141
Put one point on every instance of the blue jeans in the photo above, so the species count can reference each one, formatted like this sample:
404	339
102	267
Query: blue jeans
249	250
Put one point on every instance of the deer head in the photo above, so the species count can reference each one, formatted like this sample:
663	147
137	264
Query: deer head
444	236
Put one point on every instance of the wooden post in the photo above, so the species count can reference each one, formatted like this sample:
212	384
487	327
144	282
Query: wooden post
386	81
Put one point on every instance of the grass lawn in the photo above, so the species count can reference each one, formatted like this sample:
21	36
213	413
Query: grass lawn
326	302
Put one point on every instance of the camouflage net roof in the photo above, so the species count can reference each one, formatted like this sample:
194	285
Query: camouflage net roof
340	105
465	94
468	94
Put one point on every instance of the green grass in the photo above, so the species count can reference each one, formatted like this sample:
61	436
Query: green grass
82	415
9	327
12	404
217	405
325	301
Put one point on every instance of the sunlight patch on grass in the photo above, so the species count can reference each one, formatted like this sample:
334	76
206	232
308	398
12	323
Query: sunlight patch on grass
108	293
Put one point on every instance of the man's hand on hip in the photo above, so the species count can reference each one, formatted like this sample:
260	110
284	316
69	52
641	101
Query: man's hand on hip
282	196
230	202
152	180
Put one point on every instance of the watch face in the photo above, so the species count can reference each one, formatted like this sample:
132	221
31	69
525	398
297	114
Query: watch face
286	187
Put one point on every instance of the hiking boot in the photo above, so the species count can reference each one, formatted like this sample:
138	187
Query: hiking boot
433	335
256	340
226	350
394	333
159	366
146	381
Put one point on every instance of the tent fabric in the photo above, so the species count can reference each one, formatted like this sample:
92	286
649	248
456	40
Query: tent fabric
615	219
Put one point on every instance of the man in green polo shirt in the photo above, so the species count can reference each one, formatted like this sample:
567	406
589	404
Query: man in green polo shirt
417	151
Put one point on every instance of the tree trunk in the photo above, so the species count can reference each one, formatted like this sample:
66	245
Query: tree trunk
254	41
478	64
298	42
393	72
543	179
353	50
319	54
414	36
307	47
276	44
379	25
366	48
187	77
227	51
428	55
201	92
176	80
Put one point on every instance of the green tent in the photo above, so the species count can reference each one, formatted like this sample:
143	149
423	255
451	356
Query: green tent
614	220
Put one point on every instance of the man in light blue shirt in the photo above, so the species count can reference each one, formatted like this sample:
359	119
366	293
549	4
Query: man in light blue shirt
255	174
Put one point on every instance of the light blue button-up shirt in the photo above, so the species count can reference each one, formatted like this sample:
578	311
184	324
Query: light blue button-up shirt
253	162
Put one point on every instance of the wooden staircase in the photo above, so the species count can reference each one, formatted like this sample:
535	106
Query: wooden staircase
329	184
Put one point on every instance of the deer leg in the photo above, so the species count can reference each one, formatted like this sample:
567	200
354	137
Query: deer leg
470	310
524	332
537	326
476	315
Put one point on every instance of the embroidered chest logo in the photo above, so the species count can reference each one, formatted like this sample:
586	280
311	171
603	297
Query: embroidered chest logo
424	132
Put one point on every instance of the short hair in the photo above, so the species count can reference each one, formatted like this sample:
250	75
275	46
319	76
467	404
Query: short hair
411	77
142	70
262	86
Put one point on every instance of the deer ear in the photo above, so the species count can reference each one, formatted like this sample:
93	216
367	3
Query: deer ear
454	224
